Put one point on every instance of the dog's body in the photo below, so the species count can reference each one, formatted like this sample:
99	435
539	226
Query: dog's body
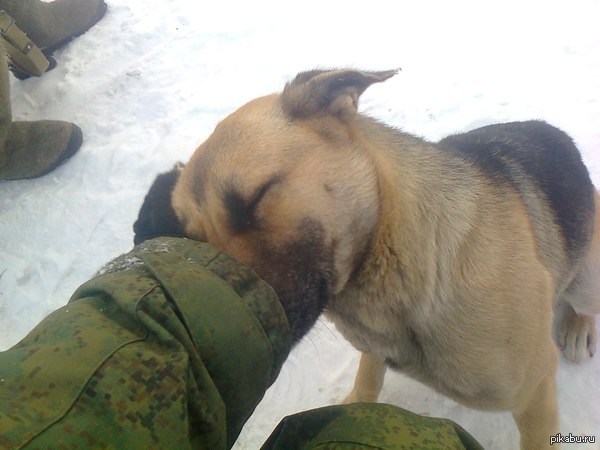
444	261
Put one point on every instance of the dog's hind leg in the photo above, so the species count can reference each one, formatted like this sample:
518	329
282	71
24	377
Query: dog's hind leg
537	416
576	333
369	379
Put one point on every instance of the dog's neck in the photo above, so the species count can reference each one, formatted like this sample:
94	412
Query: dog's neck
410	205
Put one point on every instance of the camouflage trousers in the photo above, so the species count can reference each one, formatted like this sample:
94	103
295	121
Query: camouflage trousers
172	346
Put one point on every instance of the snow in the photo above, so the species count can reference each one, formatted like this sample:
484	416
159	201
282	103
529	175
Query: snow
152	79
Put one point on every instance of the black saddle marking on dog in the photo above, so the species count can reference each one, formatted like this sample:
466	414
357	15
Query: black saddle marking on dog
241	211
549	157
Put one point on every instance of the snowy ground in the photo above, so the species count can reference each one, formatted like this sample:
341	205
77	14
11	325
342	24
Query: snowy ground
151	80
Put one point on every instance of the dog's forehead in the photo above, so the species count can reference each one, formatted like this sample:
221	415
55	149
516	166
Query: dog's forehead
260	112
242	144
258	129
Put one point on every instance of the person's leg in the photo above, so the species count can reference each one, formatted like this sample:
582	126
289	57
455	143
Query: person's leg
53	24
31	149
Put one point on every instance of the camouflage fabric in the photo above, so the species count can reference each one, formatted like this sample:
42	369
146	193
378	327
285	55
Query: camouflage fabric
172	346
369	426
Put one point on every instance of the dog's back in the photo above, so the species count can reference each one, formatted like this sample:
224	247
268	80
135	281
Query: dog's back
543	165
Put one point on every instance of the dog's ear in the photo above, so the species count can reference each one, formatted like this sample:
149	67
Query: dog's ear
328	91
157	217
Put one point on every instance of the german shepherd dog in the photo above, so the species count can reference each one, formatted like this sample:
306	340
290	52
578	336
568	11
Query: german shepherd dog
445	261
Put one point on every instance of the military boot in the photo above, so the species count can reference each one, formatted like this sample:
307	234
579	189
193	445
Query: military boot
31	149
51	25
25	58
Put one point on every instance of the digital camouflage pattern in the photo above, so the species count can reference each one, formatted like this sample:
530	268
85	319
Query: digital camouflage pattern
172	346
368	426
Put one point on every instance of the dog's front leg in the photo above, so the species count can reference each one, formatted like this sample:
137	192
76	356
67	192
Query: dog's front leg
369	379
538	418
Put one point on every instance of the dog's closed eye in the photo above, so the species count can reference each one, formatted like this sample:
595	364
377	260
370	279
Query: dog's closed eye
241	211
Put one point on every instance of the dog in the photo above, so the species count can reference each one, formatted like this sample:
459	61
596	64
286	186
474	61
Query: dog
445	261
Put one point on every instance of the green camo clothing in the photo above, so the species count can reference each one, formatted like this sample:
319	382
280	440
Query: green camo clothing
368	426
171	347
173	352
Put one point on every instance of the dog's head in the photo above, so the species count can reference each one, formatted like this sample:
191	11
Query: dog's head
284	185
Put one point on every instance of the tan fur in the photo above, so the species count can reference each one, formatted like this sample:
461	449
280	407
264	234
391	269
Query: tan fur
437	269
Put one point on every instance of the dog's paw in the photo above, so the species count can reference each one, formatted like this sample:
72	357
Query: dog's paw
354	397
350	398
577	336
361	396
